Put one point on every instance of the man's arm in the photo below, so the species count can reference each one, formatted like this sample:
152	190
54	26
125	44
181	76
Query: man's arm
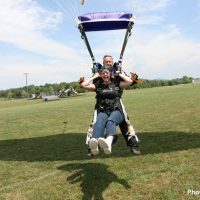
126	81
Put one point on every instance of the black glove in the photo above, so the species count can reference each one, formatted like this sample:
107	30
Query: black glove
96	68
116	69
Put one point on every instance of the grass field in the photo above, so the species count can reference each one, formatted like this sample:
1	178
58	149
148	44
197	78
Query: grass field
43	152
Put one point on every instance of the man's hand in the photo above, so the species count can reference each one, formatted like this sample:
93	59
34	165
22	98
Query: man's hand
134	78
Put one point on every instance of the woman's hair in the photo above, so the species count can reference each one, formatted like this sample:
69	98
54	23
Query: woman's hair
106	67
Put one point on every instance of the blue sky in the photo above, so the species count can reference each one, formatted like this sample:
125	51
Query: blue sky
40	37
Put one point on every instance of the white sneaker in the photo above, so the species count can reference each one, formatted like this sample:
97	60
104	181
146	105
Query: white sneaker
105	145
94	146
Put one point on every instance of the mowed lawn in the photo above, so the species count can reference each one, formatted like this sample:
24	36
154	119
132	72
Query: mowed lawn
43	151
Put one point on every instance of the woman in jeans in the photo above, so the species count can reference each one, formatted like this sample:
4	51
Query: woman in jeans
109	111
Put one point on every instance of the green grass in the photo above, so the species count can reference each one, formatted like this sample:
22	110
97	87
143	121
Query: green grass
43	152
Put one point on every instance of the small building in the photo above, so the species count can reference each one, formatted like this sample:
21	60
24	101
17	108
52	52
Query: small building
196	81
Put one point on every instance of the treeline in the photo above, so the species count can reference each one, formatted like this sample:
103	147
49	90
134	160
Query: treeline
160	82
49	89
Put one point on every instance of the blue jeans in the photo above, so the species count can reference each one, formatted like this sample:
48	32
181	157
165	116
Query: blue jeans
108	122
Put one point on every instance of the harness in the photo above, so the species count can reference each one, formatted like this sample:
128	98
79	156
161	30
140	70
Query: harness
108	105
108	97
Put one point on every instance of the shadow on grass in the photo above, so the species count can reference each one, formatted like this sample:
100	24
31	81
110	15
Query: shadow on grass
72	146
94	178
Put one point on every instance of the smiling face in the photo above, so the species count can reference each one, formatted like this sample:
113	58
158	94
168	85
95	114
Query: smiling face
105	74
108	60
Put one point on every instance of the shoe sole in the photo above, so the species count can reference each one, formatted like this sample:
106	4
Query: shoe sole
94	147
136	152
104	146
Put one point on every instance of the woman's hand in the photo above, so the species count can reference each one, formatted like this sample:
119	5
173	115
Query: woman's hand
86	84
81	80
97	75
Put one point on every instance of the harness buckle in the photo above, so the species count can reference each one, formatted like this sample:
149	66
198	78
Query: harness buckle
107	101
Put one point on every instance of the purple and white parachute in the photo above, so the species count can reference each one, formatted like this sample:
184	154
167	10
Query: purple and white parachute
101	21
104	21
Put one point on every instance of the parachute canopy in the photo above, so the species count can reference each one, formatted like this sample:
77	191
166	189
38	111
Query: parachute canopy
102	21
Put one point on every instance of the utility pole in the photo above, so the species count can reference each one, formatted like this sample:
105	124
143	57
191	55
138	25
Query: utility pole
26	74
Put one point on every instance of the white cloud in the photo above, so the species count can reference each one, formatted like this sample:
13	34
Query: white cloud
22	23
198	14
165	54
153	53
39	72
26	15
150	12
143	6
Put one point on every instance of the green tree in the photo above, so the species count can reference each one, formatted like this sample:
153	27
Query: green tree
10	95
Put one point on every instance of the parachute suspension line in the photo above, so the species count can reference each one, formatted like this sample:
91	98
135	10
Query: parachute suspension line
82	5
75	11
77	8
127	35
60	7
84	37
